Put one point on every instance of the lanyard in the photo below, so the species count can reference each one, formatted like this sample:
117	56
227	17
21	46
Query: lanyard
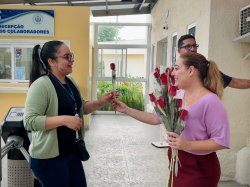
69	93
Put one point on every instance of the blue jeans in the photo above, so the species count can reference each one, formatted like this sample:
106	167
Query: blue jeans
59	172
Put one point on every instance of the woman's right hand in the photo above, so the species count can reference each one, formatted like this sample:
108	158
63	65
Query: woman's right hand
120	106
72	122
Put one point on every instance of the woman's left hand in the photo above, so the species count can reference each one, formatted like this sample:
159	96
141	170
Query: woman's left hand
176	141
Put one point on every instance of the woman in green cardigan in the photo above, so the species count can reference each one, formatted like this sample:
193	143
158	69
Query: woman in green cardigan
53	113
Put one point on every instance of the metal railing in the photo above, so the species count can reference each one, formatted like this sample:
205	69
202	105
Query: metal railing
13	142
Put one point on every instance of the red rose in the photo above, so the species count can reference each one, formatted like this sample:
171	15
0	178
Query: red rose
161	102
112	66
171	75
157	70
152	97
167	71
157	73
183	114
179	102
171	70
164	79
172	79
172	90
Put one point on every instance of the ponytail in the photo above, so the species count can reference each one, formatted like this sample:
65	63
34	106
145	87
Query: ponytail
38	68
40	58
213	80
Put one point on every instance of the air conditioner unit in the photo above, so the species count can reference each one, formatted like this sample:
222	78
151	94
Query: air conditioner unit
245	20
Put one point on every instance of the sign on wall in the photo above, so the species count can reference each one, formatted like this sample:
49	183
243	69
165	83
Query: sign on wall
27	22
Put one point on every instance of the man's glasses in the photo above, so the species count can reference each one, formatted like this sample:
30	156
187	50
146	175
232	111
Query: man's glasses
69	57
189	47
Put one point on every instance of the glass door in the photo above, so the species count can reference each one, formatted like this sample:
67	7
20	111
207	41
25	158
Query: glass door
127	46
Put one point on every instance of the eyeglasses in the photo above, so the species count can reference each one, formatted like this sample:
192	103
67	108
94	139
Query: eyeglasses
69	57
189	47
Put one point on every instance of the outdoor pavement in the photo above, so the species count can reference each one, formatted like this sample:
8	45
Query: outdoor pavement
121	154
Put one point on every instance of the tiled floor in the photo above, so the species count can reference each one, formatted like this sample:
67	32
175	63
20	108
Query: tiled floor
122	154
230	184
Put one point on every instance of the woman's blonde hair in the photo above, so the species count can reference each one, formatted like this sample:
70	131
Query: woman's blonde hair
208	71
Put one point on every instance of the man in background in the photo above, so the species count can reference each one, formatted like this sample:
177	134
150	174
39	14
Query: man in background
187	44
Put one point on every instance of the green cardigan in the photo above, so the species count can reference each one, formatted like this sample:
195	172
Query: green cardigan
42	101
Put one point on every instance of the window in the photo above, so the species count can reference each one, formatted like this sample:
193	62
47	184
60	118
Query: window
164	54
130	62
174	45
15	63
153	64
16	59
191	29
5	63
122	35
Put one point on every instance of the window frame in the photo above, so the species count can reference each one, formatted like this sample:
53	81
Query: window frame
191	26
174	48
164	61
152	60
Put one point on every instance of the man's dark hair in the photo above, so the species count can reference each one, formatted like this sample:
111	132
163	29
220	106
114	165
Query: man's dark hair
184	37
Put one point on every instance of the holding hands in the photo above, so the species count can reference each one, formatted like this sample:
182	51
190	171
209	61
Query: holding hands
146	117
91	106
108	97
119	106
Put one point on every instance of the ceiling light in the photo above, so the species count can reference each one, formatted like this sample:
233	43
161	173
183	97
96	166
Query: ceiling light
52	3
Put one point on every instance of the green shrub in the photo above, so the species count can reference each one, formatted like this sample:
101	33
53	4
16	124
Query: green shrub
130	93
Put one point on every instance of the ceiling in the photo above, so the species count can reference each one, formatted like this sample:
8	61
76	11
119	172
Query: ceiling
98	7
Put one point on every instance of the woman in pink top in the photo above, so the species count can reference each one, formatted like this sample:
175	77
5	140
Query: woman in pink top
206	126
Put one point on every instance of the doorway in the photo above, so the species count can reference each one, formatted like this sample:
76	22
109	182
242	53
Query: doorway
131	58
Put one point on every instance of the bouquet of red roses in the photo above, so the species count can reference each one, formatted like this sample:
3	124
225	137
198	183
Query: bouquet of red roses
169	108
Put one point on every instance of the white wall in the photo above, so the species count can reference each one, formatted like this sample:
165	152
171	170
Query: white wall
229	57
224	28
181	14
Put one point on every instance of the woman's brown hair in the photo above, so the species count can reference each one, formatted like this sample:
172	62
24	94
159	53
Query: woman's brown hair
208	71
